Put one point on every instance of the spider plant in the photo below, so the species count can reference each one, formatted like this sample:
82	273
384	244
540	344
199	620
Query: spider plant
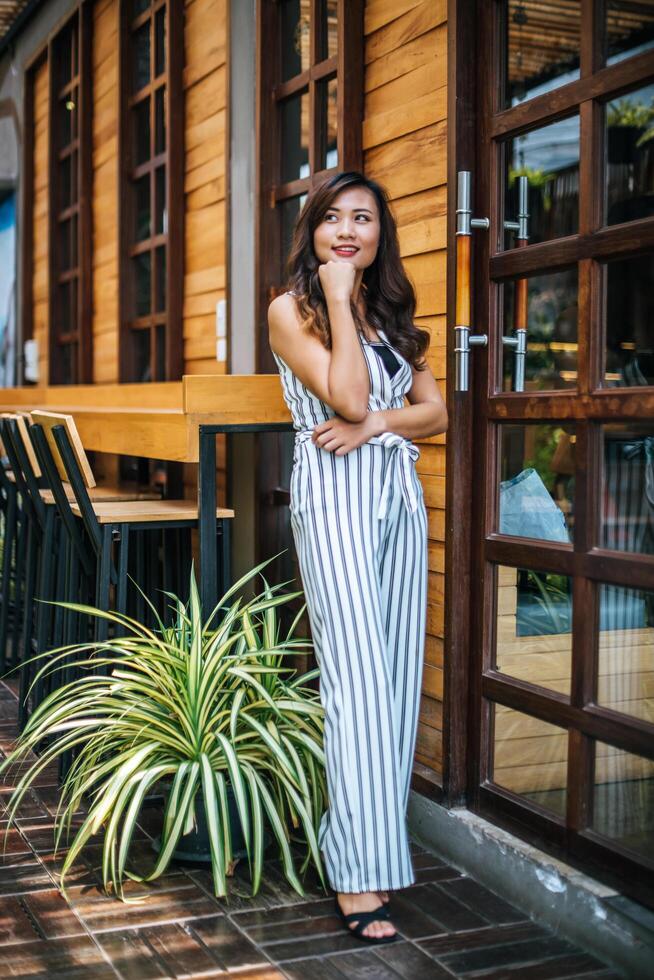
200	704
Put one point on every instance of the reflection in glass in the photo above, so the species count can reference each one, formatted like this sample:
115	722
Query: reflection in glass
290	209
138	6
626	651
141	355
160	341
141	57
160	292
328	109
160	120
630	156
629	29
142	209
623	807
533	627
141	123
295	137
542	47
329	27
530	758
551	361
160	41
629	322
549	158
142	279
160	211
628	488
295	33
536	493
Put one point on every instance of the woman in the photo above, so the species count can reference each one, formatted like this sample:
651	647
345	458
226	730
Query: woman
348	354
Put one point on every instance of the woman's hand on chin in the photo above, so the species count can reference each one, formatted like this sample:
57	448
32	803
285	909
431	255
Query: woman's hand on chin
339	436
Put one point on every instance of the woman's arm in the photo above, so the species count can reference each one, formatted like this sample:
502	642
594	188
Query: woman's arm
338	377
426	415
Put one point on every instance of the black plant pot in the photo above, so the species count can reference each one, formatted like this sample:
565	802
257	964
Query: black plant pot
196	847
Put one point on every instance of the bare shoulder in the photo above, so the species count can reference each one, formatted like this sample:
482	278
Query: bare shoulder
284	322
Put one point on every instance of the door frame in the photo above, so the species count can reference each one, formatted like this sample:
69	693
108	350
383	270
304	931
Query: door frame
469	681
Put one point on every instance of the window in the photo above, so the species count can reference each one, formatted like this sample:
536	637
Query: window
151	205
310	112
70	202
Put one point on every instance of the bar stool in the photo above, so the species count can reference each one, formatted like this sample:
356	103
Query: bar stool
111	526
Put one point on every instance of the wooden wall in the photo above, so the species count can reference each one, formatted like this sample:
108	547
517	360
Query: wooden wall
205	87
404	139
40	273
105	189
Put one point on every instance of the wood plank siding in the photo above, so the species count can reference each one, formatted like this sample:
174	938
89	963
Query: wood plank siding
205	87
105	184
40	260
404	140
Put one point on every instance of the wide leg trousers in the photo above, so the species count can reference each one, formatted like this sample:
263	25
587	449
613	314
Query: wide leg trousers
364	573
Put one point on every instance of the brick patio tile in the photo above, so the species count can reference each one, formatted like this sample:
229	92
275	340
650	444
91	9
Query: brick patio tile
365	965
227	945
313	946
483	901
30	877
180	899
411	962
423	910
283	913
559	968
160	951
486	936
509	954
437	872
14	849
301	929
43	914
77	958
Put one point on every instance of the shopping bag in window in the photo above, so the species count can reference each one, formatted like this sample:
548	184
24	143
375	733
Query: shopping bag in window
527	509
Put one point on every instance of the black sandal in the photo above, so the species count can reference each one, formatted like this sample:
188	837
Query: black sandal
363	920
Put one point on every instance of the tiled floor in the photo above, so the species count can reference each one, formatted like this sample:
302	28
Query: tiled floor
450	925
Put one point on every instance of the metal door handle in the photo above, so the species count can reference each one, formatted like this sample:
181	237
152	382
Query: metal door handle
464	225
518	340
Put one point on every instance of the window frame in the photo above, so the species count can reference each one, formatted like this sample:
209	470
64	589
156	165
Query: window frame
347	66
172	157
82	144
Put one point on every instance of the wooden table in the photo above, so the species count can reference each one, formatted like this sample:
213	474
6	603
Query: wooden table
175	421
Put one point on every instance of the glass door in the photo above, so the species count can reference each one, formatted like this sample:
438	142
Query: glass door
563	529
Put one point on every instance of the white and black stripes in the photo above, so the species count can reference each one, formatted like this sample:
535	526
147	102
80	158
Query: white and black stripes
360	529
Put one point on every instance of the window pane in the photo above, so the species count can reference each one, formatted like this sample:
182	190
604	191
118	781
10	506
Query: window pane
542	47
142	280
160	120
624	798
629	29
329	28
630	156
65	369
140	360
142	227
534	627
328	106
530	758
289	212
160	41
629	319
296	36
141	123
64	256
141	57
551	360
66	112
626	651
65	182
295	137
138	6
537	485
160	289
161	353
628	488
549	158
160	211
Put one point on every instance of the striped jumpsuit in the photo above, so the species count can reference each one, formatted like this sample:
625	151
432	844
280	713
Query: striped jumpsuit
360	530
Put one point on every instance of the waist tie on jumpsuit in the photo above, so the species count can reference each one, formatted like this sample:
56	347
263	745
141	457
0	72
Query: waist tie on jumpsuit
360	530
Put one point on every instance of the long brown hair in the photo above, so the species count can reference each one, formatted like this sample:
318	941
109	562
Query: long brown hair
389	296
